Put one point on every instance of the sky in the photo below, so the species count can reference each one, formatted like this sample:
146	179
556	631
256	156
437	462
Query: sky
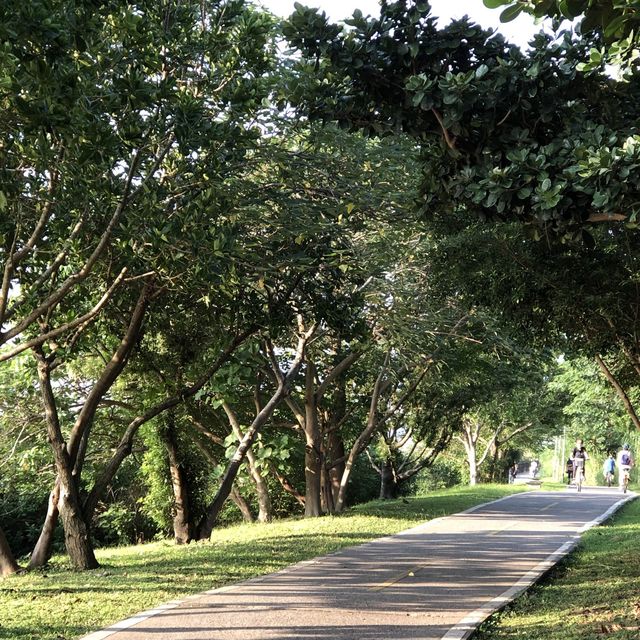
519	31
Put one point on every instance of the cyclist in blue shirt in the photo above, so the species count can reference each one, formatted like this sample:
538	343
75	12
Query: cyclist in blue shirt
608	469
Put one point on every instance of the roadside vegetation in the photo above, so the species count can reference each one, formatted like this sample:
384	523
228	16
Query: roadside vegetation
591	595
60	604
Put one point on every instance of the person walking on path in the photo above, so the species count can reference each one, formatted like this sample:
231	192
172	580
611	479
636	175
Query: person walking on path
625	462
569	470
534	468
608	469
579	456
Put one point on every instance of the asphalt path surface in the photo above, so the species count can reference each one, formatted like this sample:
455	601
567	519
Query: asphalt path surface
435	581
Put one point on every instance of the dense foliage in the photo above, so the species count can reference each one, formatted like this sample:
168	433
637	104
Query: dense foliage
212	309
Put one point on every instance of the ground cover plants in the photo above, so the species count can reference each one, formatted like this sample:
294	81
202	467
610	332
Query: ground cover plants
60	604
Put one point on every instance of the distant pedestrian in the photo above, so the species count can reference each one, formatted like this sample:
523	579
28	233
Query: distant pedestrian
608	469
513	472
534	468
569	470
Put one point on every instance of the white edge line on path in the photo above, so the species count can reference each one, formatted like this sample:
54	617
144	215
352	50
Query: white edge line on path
465	627
144	615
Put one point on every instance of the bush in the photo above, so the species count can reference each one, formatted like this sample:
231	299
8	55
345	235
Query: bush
364	484
441	475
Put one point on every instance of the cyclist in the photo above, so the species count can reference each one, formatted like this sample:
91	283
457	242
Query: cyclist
608	469
579	456
625	462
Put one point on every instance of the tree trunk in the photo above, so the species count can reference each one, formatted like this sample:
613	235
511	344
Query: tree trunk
209	520
284	382
8	564
619	390
287	485
41	553
362	440
126	441
235	495
336	453
265	511
76	531
181	526
79	437
473	466
312	450
241	503
388	482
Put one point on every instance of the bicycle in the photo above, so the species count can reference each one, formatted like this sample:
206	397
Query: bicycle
608	478
578	474
625	480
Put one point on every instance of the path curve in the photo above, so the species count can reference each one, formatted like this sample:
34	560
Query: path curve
436	581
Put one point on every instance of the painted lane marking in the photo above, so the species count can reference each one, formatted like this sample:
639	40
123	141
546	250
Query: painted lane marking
498	531
406	574
553	504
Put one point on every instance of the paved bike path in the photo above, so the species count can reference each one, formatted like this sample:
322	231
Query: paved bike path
432	582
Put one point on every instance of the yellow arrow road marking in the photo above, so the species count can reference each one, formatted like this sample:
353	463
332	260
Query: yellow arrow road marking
402	576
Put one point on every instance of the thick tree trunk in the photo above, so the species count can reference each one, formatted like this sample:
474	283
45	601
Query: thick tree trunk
8	564
76	531
41	553
79	437
181	525
313	449
388	481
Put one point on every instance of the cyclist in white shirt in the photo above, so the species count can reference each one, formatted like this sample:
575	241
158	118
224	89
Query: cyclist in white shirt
625	462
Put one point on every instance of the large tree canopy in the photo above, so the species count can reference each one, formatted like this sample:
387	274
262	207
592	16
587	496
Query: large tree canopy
505	134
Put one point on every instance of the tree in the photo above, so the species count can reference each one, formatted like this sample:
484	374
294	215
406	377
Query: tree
132	134
616	21
505	135
593	412
8	564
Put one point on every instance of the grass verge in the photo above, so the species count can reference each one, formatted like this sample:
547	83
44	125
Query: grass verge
591	595
60	604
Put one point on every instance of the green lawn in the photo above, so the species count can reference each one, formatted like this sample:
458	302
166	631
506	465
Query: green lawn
594	594
59	604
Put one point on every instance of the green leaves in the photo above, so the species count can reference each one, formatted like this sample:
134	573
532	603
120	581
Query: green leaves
511	13
494	4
